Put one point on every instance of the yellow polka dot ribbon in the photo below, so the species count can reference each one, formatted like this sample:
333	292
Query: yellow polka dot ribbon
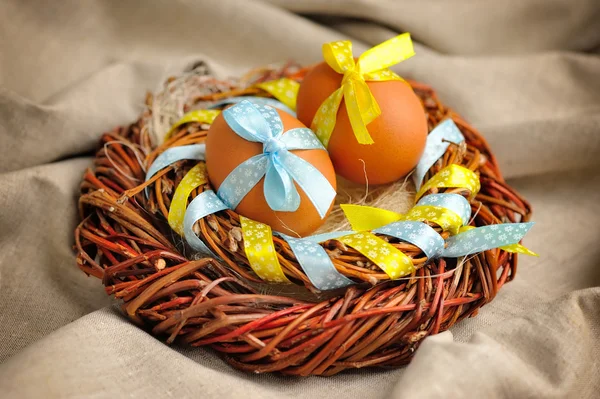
453	176
199	116
361	105
285	90
260	251
443	217
391	260
192	180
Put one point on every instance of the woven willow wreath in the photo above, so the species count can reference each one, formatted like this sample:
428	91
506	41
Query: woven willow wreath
124	240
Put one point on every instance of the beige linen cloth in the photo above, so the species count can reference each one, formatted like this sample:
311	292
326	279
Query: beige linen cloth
525	72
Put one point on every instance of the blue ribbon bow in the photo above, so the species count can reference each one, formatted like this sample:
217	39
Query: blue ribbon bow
281	168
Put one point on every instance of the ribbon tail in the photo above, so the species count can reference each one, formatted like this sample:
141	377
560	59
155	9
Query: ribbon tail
279	188
362	109
518	249
479	239
316	187
326	116
363	218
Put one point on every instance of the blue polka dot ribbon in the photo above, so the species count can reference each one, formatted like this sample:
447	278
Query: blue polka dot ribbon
206	203
483	238
419	234
279	166
454	202
256	100
436	145
316	263
175	154
172	155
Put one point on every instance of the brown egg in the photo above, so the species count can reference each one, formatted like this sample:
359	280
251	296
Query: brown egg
399	132
225	150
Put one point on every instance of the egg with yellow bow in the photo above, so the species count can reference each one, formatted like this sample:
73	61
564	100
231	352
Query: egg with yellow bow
371	121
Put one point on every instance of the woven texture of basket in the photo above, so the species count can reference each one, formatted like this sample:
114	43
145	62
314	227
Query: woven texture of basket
123	240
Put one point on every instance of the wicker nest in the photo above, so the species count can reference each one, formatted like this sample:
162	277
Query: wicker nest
124	240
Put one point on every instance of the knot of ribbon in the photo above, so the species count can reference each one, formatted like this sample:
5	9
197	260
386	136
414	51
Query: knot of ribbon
360	103
279	166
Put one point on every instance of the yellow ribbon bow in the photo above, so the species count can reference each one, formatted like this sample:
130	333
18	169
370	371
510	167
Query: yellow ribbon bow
361	105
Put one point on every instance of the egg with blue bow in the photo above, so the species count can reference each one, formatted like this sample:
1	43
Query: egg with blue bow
268	166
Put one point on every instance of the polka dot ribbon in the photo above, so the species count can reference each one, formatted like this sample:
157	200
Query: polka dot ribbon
285	90
316	263
260	251
449	211
208	115
200	116
392	261
360	103
438	141
453	176
193	179
505	236
256	100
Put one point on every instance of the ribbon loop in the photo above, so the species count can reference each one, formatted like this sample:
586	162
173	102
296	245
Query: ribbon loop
338	55
386	54
248	122
453	176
